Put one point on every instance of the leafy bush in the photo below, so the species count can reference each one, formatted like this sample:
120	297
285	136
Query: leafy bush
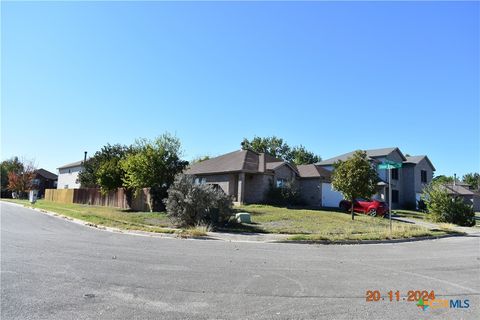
190	204
288	194
445	208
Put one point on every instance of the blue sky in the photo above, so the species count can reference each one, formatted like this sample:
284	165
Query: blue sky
333	76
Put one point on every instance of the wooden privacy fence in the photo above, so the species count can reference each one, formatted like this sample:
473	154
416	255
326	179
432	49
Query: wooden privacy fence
92	196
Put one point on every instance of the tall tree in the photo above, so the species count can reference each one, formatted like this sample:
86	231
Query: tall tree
20	178
473	180
11	165
278	148
271	145
299	155
355	177
154	164
442	179
103	170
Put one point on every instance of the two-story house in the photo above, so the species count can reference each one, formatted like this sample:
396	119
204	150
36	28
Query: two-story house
68	175
407	183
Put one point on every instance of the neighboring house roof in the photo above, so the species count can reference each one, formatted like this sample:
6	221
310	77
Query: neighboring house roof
372	153
71	165
236	161
417	159
313	171
47	174
457	190
274	165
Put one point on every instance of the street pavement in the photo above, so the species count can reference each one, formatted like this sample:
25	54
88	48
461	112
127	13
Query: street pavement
52	268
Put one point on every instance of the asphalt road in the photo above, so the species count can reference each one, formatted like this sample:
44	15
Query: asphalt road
54	269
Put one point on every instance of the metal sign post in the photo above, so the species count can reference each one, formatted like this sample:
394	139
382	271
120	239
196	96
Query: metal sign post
390	199
389	165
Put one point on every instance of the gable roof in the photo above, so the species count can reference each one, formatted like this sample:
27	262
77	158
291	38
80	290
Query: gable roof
457	190
372	154
47	174
71	165
417	159
313	171
238	161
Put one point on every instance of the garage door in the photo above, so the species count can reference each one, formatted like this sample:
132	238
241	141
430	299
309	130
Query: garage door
330	197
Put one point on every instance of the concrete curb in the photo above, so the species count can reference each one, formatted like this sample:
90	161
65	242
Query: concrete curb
353	242
214	237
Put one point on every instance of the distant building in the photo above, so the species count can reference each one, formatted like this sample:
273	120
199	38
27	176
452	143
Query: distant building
44	179
461	190
68	175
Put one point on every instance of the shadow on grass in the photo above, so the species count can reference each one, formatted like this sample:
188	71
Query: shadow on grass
234	226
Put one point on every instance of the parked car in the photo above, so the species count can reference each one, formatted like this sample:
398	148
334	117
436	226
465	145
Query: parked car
370	207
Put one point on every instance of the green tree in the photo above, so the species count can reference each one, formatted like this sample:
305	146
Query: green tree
299	155
271	145
355	177
10	165
443	207
199	159
473	180
153	164
20	177
103	170
441	179
278	148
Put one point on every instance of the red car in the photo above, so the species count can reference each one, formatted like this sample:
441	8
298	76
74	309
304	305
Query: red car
370	207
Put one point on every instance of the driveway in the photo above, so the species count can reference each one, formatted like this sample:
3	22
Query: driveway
55	269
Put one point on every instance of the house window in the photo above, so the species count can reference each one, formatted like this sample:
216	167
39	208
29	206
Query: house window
281	183
423	176
395	196
395	174
36	182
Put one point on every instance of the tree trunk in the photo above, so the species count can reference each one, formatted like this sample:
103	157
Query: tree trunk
351	208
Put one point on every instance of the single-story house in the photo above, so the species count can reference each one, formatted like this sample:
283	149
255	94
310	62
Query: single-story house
461	190
247	175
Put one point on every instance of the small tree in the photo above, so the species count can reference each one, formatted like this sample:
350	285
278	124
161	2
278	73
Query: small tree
20	180
11	165
355	178
153	164
190	204
443	207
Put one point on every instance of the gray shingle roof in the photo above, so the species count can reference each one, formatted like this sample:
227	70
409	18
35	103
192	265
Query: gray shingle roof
70	165
372	153
457	190
417	159
313	171
47	174
236	161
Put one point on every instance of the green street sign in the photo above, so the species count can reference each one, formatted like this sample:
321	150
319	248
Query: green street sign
390	165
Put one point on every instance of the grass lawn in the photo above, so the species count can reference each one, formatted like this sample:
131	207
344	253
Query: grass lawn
330	225
302	224
423	216
107	216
